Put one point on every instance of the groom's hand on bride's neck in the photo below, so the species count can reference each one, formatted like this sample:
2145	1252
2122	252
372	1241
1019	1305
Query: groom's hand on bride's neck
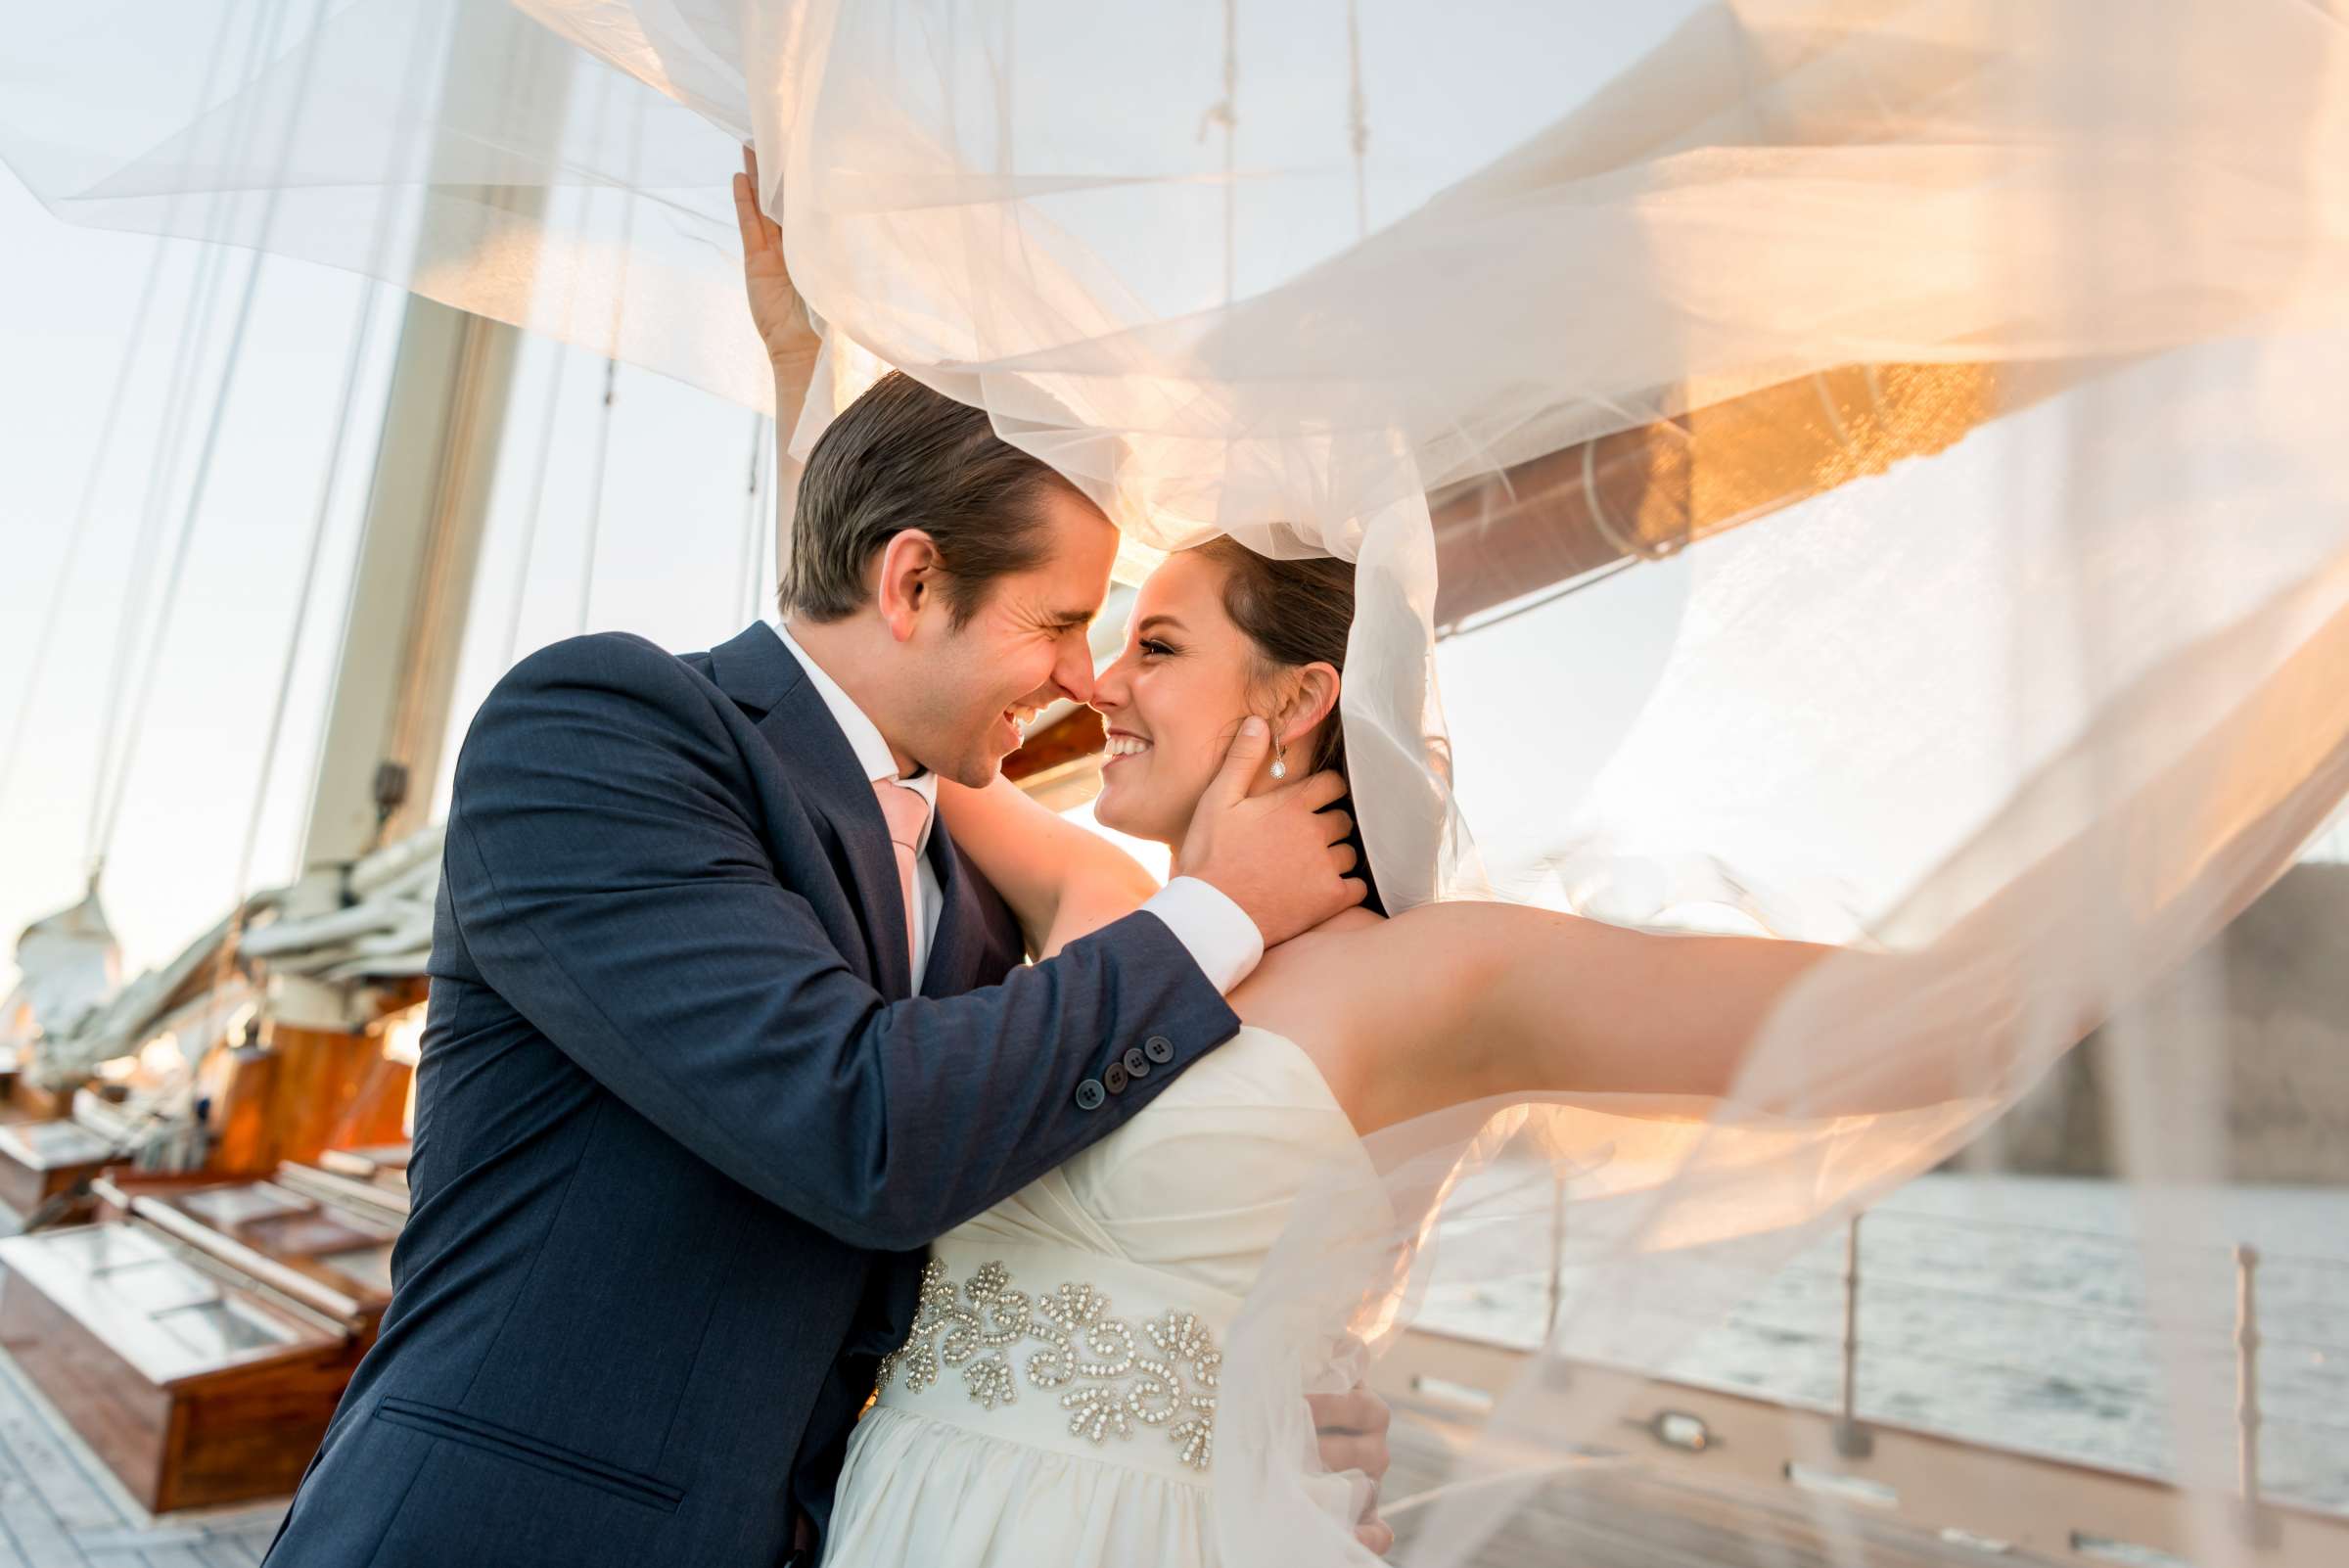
1280	855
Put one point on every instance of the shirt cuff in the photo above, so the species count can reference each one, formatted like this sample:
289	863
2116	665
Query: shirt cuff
1214	931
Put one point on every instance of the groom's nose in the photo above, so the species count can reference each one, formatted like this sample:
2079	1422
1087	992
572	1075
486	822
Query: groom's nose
1073	671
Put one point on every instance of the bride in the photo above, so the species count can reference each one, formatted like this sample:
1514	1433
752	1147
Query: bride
1055	1402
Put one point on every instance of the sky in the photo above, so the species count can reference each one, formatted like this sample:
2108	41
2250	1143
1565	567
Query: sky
677	531
203	678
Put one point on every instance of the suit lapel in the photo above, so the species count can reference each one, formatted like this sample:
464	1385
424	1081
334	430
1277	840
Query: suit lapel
758	672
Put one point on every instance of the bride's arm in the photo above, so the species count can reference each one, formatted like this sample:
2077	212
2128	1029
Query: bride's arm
1454	1003
1061	881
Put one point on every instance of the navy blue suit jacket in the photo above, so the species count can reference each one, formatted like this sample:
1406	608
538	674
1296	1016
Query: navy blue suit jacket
681	1129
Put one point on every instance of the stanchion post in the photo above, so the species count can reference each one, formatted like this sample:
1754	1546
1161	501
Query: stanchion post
2257	1527
1851	1440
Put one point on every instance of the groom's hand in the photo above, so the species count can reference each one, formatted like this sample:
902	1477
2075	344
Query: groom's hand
1279	855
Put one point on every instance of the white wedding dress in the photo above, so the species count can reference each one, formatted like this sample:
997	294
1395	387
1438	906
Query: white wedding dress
1055	1402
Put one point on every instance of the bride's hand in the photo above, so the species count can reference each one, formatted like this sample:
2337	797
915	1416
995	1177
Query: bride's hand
776	308
1351	1431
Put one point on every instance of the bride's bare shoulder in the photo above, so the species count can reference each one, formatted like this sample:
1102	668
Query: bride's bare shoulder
1301	987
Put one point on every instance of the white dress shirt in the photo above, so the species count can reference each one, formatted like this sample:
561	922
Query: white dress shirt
1214	931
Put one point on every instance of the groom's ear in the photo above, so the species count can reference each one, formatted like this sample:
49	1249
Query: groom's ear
909	583
1312	699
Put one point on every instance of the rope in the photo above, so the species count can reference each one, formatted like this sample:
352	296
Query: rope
130	630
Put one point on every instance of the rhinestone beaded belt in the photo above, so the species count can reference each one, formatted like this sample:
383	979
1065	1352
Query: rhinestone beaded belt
1066	1351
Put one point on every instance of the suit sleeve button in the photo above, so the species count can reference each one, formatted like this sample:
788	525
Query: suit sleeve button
1159	1049
1090	1094
1113	1077
1137	1065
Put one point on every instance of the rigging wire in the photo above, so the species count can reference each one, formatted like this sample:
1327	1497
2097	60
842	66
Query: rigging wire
322	515
179	398
1357	119
338	442
242	906
422	41
557	360
175	578
745	590
620	300
1588	579
46	639
537	502
1225	112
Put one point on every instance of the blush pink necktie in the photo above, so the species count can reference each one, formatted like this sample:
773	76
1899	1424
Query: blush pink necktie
908	814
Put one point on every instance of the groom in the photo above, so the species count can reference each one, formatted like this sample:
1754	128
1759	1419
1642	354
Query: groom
724	1029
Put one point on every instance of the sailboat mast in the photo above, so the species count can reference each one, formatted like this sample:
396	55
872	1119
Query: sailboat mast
427	509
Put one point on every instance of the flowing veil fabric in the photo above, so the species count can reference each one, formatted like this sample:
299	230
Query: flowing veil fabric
1977	359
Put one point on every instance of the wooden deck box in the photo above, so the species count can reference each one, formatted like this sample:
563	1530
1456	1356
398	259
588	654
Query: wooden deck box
197	1386
40	1160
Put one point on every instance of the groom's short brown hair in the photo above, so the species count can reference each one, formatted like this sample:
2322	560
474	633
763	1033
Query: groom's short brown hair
903	456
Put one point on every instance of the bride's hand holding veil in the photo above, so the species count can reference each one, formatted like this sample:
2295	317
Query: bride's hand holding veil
776	308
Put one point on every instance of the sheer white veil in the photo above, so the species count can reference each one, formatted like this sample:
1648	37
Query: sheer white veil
1970	367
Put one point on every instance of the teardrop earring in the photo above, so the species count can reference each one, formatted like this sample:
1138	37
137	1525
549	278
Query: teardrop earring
1280	759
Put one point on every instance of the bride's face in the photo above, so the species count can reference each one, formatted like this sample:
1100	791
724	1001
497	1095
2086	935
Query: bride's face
1172	701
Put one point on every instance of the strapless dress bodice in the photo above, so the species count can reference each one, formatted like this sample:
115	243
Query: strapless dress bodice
1055	1402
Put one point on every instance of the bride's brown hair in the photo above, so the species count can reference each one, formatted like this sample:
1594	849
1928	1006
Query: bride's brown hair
1297	613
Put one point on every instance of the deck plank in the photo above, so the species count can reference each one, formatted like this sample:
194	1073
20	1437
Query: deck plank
39	1539
30	1435
1632	1517
241	1550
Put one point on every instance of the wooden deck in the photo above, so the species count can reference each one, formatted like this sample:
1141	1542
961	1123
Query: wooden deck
1630	1516
61	1508
58	1508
